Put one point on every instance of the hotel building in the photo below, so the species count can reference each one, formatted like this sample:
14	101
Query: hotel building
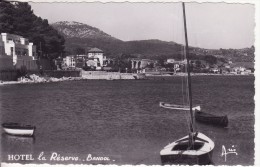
20	50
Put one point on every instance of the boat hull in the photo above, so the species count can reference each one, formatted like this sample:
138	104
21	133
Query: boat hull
178	107
204	159
177	153
18	130
211	119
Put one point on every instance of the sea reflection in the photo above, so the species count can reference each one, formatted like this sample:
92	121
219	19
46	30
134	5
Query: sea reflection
122	120
14	145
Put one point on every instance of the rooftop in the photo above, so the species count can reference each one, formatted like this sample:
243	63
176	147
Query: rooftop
95	50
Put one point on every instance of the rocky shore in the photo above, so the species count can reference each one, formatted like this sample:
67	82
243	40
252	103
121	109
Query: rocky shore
96	76
37	79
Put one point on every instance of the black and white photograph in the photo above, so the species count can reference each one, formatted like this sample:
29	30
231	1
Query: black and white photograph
128	83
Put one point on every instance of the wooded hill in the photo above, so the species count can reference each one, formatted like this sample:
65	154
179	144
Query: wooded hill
81	37
18	18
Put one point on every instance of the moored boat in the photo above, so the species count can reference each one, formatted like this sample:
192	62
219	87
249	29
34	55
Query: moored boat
18	129
195	148
177	107
211	119
182	152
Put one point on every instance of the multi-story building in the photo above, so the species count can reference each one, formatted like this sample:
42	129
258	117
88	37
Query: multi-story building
98	57
73	61
22	52
70	61
141	63
95	58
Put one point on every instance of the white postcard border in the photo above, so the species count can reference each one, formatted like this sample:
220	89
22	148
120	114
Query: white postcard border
257	67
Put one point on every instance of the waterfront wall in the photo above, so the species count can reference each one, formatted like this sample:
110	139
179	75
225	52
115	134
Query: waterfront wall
6	62
57	73
27	62
8	75
60	74
11	75
106	75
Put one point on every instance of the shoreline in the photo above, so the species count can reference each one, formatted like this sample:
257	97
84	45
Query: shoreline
36	79
197	74
41	80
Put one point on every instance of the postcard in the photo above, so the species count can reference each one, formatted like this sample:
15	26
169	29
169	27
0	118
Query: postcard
128	83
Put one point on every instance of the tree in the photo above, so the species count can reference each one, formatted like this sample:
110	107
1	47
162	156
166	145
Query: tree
210	59
198	63
122	63
6	17
150	65
161	60
18	18
79	51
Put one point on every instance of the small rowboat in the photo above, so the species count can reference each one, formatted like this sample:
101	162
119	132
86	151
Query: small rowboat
181	152
177	107
18	129
211	119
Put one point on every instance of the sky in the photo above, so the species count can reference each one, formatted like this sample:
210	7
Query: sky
210	25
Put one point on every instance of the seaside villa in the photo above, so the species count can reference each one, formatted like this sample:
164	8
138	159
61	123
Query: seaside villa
19	50
69	61
96	58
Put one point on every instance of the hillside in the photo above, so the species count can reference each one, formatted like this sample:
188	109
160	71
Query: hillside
82	37
79	35
79	30
18	18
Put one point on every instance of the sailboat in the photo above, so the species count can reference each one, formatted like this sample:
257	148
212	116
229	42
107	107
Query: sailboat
195	148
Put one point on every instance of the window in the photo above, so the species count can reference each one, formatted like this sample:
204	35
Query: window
12	51
9	40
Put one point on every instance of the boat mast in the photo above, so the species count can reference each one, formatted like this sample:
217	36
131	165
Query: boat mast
188	65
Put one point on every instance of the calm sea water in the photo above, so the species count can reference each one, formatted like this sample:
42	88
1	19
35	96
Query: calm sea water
122	120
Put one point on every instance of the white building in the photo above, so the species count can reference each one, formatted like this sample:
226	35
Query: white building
173	61
93	62
141	63
239	70
170	61
97	55
70	61
22	52
6	62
